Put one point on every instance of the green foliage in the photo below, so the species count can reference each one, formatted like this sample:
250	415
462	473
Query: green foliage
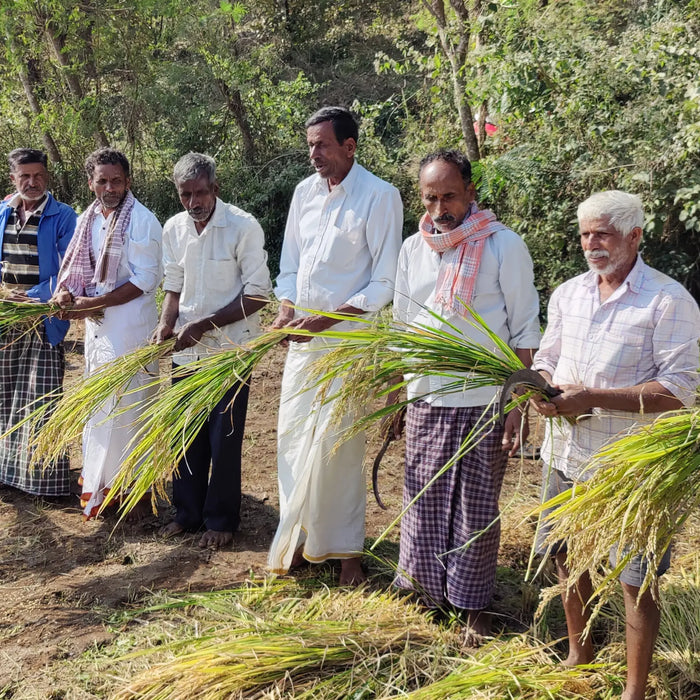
586	96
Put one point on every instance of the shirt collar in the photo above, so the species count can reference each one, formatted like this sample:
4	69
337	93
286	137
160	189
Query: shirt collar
347	184
16	200
218	219
633	280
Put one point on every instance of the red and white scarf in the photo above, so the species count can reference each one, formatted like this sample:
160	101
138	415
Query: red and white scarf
461	250
79	273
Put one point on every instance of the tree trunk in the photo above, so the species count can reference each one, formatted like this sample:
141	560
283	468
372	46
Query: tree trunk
234	102
58	44
49	143
454	41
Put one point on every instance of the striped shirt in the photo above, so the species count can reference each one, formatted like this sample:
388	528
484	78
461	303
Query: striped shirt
20	254
647	330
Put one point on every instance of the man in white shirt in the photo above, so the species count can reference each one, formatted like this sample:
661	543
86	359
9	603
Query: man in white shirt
461	259
622	345
112	268
339	254
216	280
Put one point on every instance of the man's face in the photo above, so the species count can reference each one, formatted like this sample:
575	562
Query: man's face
31	181
331	159
110	185
445	195
607	251
198	196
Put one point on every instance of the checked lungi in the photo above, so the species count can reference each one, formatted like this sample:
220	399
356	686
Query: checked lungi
460	508
30	368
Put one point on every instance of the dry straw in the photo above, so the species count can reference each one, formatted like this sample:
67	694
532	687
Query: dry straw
645	486
281	640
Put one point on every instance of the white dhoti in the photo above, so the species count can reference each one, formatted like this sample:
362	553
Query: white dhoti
322	485
108	433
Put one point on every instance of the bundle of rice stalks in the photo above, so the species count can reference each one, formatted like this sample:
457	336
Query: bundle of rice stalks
22	316
644	487
382	357
70	412
286	643
513	668
174	417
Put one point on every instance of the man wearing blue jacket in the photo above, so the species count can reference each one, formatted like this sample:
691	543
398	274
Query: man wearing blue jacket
35	230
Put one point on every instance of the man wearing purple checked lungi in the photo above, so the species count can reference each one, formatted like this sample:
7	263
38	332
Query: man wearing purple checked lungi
462	258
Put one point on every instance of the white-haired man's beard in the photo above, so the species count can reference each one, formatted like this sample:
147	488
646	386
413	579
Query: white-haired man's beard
613	261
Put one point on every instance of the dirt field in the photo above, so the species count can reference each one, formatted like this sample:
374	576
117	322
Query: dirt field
60	578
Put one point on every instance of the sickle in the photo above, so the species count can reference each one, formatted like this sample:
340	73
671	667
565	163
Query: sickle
375	467
523	377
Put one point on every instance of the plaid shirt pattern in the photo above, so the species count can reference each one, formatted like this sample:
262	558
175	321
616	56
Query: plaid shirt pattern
647	330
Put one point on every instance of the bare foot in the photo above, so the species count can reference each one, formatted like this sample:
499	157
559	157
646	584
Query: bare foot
298	561
477	629
351	573
575	659
172	529
214	539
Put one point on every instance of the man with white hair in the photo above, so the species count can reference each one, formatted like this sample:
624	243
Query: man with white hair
216	280
622	345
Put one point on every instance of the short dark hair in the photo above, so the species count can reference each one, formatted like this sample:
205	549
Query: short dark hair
344	124
106	156
23	156
457	158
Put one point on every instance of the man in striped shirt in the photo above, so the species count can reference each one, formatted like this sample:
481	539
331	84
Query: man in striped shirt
35	231
622	345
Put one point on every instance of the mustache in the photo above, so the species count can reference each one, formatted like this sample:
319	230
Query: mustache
444	219
596	254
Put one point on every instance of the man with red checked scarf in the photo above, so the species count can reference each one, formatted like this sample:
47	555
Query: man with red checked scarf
461	259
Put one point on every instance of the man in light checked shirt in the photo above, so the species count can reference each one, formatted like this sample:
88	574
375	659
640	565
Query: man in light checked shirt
622	345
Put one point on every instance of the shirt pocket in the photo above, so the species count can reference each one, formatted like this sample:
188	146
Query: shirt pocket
622	356
347	238
223	279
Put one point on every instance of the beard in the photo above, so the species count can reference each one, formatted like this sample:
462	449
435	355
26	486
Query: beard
111	200
200	214
608	269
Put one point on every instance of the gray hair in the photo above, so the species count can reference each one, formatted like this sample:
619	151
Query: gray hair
623	210
194	165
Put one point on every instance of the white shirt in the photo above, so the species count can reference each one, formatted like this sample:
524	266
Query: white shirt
210	269
504	296
140	262
340	247
647	330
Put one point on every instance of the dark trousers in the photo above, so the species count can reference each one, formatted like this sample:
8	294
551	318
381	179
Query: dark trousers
213	501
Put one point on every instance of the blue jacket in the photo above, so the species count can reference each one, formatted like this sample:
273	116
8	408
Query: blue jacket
56	228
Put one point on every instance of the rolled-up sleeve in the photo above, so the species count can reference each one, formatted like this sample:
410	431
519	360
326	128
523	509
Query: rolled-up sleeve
517	282
252	259
676	350
383	233
286	287
145	250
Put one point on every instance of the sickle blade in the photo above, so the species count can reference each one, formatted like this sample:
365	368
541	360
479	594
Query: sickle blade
523	377
375	468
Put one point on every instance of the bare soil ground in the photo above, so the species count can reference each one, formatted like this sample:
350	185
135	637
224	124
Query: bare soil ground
61	578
